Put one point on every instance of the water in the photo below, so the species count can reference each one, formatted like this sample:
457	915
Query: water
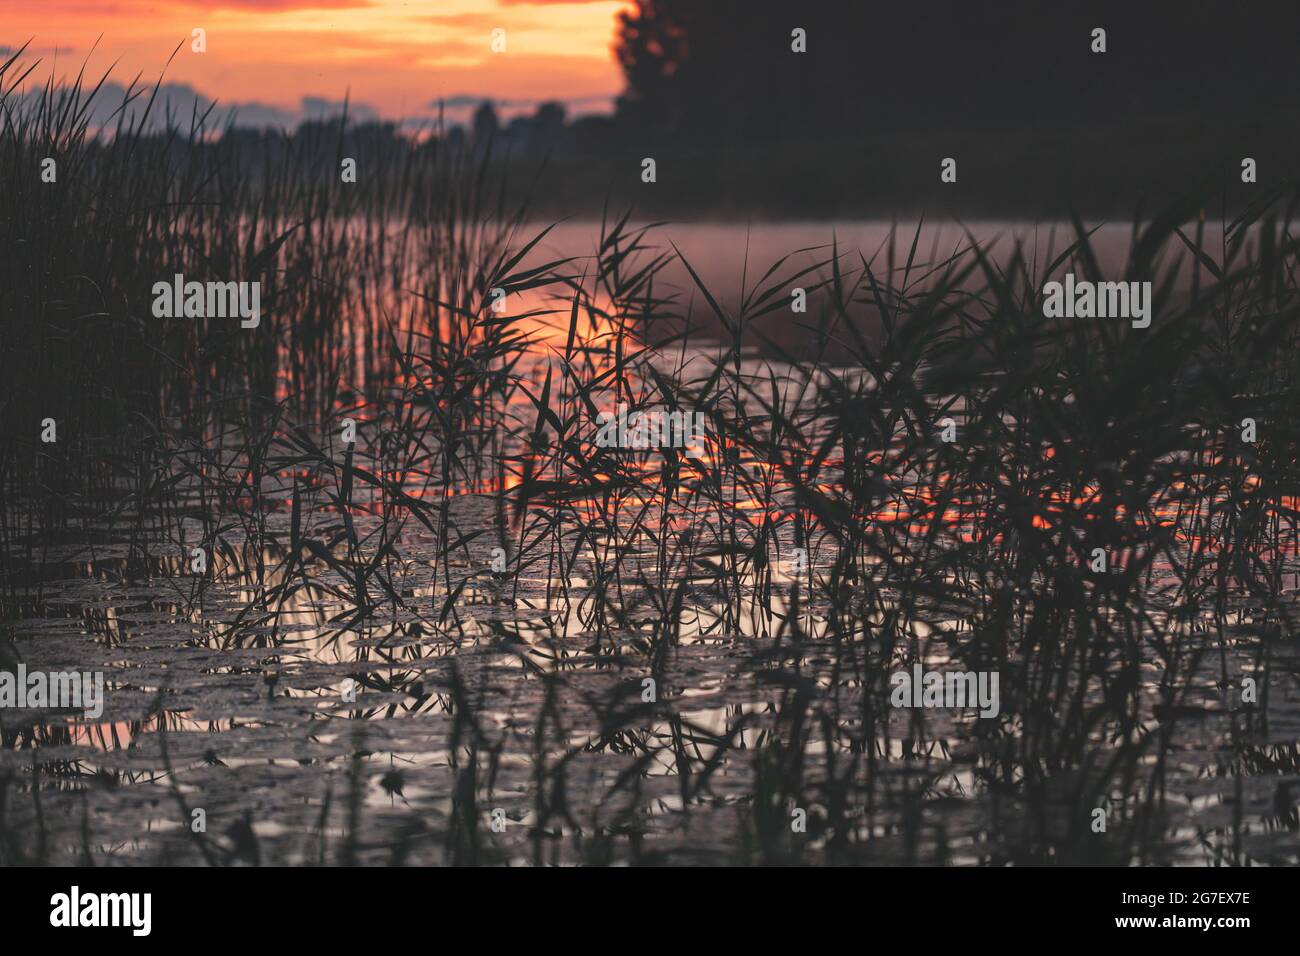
725	253
506	717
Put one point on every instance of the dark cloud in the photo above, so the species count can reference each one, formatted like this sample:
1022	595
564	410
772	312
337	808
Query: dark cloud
180	103
8	51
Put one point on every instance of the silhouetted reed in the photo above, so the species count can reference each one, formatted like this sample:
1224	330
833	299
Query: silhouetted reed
475	431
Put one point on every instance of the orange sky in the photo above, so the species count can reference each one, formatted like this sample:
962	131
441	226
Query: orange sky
394	55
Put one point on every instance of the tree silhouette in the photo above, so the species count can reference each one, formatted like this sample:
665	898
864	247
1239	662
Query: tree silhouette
485	122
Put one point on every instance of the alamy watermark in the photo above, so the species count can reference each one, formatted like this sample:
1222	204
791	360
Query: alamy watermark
61	690
197	300
1101	300
948	689
74	908
655	428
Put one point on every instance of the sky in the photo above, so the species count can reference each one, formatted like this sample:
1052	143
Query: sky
394	58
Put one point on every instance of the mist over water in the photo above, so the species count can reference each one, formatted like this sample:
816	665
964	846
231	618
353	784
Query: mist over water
724	253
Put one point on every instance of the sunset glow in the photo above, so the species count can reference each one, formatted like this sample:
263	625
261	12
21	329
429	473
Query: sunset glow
397	56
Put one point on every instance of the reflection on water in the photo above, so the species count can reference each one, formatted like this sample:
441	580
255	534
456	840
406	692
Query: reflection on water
651	678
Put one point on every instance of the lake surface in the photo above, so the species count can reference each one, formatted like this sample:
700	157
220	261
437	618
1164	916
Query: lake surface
727	254
389	694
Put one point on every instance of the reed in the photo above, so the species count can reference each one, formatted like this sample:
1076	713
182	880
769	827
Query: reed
521	685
